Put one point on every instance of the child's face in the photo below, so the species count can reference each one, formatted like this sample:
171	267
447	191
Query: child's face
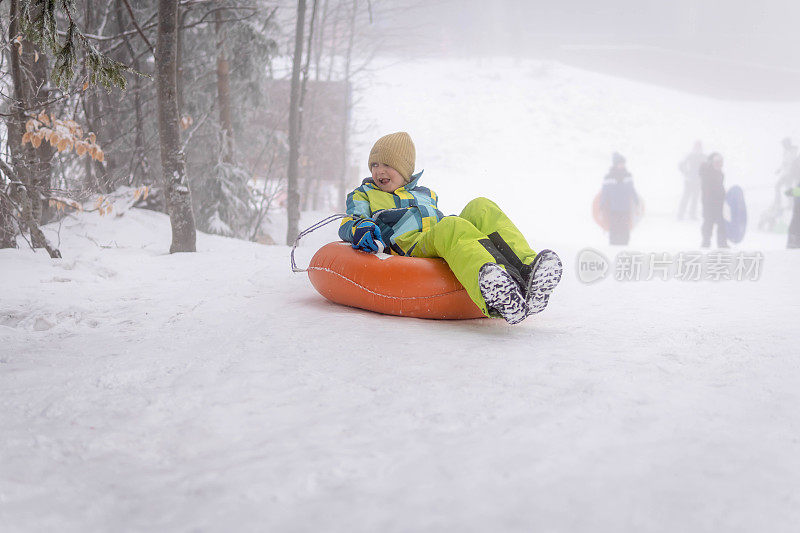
386	178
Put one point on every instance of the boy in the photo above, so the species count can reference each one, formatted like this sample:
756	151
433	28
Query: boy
482	247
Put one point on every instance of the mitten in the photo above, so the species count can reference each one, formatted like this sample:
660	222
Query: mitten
367	236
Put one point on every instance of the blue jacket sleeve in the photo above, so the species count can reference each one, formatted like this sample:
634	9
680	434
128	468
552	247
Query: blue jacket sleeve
357	208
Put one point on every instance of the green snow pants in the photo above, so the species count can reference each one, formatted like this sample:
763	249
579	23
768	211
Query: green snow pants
481	234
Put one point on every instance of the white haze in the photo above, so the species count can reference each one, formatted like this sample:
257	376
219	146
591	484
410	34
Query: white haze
217	391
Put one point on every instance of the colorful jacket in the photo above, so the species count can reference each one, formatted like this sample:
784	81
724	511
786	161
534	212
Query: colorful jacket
400	215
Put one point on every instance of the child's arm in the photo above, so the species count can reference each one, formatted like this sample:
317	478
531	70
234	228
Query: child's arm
357	208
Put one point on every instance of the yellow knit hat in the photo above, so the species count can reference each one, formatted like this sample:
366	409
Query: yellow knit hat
396	150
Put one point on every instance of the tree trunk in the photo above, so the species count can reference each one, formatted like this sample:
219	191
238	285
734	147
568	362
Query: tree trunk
182	12
292	195
8	232
348	103
310	182
223	91
138	157
35	65
95	179
23	157
19	196
320	42
19	156
334	48
173	165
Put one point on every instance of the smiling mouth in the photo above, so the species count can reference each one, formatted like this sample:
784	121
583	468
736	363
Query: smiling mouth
383	181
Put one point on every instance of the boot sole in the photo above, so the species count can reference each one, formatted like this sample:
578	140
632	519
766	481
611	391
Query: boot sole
546	276
501	293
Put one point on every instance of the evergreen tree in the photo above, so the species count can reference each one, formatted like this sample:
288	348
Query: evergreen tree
39	23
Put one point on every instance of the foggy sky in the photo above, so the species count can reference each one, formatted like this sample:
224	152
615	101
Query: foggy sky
746	30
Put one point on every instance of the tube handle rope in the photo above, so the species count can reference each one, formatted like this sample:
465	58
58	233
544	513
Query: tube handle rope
308	230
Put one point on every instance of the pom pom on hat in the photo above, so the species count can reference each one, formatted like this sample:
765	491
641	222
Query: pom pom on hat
396	150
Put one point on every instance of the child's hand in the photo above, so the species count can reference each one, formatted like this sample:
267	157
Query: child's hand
367	237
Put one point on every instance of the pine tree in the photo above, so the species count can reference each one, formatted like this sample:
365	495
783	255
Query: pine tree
220	150
39	24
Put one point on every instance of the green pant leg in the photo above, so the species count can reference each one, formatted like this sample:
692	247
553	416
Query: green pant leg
485	215
457	241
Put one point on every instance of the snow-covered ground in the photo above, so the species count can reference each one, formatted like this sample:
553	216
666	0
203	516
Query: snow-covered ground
217	391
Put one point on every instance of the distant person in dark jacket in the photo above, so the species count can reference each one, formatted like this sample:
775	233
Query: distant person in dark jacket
713	192
690	168
618	199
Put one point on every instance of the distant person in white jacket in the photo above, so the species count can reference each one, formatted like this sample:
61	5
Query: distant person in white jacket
794	194
784	172
690	168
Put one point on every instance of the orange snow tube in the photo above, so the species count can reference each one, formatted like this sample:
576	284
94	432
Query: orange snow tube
390	284
600	217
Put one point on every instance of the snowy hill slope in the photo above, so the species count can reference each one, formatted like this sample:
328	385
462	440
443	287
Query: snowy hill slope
217	391
538	136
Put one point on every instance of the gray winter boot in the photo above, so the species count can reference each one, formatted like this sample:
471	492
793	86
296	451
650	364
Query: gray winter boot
502	293
545	274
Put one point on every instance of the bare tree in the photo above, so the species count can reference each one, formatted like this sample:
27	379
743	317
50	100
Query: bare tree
17	198
23	156
293	194
348	103
139	158
173	164
8	233
223	90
